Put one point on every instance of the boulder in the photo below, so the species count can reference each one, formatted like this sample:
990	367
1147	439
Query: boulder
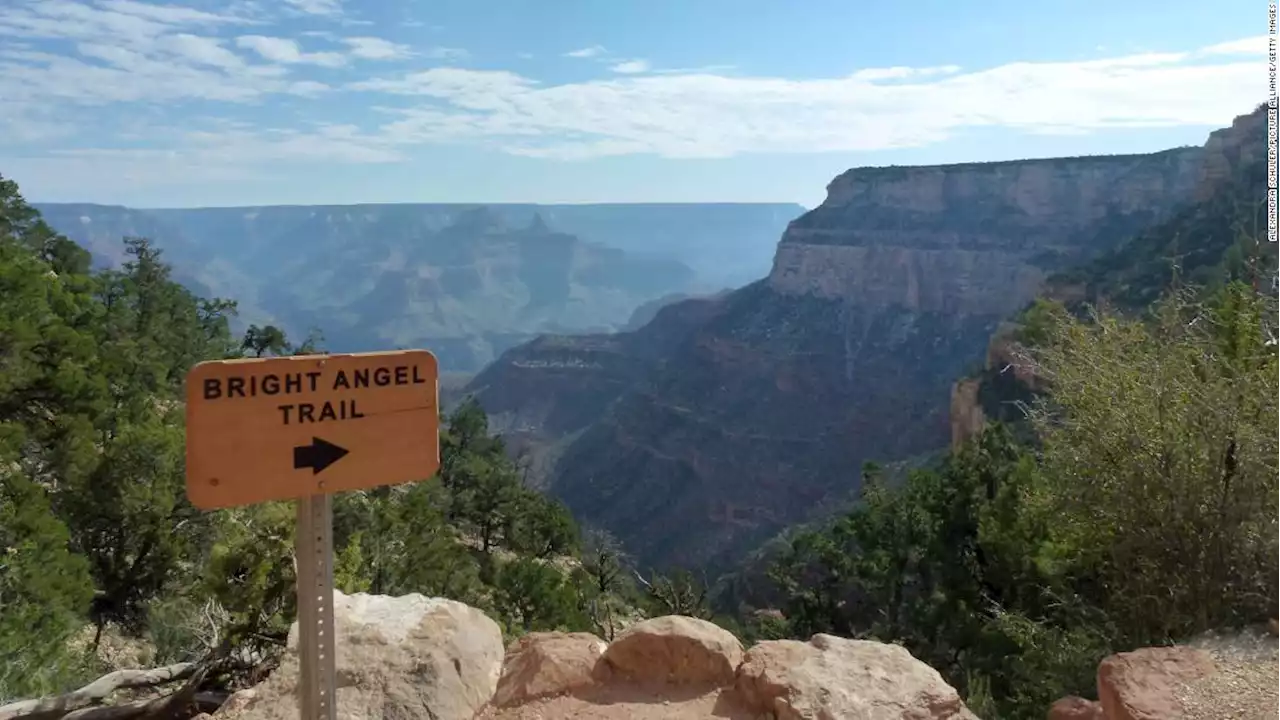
1144	684
398	658
675	650
1076	708
831	677
545	664
236	704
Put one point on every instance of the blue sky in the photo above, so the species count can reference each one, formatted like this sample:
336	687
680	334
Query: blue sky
238	102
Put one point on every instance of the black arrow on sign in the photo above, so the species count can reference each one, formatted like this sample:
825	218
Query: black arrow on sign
317	456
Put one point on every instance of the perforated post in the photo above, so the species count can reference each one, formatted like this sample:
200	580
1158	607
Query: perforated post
316	643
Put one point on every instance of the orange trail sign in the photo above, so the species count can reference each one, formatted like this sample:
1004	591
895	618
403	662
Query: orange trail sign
292	427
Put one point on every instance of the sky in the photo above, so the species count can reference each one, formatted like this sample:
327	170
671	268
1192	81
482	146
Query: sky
253	102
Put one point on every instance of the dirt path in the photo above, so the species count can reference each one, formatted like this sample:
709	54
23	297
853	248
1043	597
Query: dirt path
614	703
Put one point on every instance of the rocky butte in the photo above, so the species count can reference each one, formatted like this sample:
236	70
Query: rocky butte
724	420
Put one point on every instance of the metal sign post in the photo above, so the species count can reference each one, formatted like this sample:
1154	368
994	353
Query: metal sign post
304	428
317	687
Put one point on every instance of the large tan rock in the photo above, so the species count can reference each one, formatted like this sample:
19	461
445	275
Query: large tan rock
398	658
675	650
1076	708
545	664
1144	684
830	677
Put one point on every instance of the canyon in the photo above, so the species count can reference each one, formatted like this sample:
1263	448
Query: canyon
724	420
467	281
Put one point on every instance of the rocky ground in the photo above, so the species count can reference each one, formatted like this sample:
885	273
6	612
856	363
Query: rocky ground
414	657
1243	683
1217	677
417	657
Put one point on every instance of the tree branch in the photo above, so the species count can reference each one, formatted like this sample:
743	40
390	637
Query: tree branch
174	706
636	573
58	706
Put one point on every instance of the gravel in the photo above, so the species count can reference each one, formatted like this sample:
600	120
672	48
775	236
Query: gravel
1245	684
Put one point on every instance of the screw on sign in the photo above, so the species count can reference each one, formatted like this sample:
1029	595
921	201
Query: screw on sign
301	428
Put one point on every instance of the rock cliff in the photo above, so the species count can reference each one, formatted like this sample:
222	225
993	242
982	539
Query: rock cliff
1204	235
972	239
1230	149
760	413
759	416
541	395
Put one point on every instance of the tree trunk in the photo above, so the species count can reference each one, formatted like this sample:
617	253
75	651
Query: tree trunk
80	703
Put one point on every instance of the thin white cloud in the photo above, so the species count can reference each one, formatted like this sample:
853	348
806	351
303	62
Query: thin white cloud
709	115
223	149
307	88
286	51
447	53
372	48
471	89
1256	45
317	7
122	20
122	51
27	123
631	67
202	50
168	14
134	60
220	153
123	76
586	52
902	73
702	70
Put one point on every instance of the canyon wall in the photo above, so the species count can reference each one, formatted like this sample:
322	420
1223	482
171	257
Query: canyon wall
975	238
1226	197
759	407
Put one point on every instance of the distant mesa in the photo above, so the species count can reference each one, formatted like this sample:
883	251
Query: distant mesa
467	281
538	226
481	219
